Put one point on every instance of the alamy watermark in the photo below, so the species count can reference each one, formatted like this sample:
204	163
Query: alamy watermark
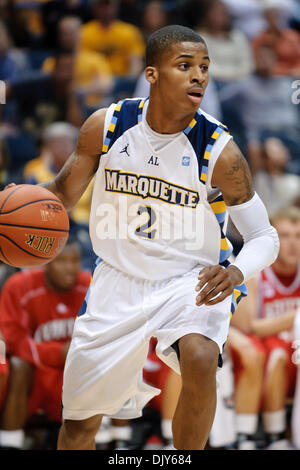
153	222
296	93
2	92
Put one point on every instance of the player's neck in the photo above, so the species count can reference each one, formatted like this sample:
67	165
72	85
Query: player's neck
283	269
163	121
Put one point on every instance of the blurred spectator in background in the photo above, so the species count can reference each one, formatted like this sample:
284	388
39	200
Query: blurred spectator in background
13	62
45	98
4	162
247	15
122	43
154	17
270	309
263	103
277	187
284	41
58	143
37	313
53	11
229	50
92	74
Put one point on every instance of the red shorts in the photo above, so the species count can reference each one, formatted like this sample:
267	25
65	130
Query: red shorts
46	392
267	346
155	373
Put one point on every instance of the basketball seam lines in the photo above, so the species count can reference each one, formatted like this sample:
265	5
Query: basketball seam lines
7	197
25	251
39	228
27	204
1	251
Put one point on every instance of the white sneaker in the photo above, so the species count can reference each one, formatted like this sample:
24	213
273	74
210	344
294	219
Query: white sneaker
247	445
282	444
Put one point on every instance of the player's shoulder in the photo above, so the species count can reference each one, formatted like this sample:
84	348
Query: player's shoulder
93	126
24	279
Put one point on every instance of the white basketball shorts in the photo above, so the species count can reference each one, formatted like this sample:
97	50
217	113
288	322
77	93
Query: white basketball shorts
103	370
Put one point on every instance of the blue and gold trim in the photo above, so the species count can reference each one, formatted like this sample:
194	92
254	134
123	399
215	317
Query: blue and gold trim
112	127
218	207
127	114
213	138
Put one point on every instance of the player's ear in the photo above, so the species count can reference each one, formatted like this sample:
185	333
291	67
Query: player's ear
151	74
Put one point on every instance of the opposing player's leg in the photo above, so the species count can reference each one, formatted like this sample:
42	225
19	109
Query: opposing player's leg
248	357
15	409
79	434
195	411
274	396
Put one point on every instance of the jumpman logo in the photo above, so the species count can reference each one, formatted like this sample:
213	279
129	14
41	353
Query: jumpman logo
125	150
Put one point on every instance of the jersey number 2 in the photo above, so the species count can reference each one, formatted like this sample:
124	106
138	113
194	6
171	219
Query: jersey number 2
144	229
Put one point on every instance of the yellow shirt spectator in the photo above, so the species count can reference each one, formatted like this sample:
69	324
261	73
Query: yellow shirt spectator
119	43
90	67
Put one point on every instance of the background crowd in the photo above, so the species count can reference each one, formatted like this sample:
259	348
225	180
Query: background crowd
60	60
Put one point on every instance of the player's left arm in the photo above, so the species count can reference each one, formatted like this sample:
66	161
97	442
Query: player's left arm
232	176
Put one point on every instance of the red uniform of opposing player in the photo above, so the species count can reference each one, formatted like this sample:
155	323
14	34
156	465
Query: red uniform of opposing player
271	306
37	313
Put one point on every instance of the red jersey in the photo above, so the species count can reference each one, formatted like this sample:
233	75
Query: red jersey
275	298
36	320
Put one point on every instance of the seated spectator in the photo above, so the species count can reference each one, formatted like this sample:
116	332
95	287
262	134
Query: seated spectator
121	43
284	41
275	185
154	17
13	62
44	98
247	16
37	313
263	101
53	11
92	76
270	310
229	49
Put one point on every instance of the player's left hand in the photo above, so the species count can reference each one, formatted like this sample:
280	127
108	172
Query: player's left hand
216	283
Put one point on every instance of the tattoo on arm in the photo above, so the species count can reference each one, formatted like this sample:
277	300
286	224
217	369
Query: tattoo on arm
239	178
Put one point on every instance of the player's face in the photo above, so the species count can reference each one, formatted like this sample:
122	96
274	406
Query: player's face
182	75
289	236
63	271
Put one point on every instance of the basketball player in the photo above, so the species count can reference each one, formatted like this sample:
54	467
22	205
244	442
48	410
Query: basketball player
37	314
271	306
163	168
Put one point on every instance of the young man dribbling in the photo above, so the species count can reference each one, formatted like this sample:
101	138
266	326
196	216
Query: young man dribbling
180	164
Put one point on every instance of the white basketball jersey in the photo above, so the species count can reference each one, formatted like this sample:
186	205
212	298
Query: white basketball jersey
150	215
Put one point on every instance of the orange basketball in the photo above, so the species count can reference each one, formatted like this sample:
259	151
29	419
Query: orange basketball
34	226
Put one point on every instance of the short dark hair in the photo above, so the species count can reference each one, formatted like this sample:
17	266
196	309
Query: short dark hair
165	37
